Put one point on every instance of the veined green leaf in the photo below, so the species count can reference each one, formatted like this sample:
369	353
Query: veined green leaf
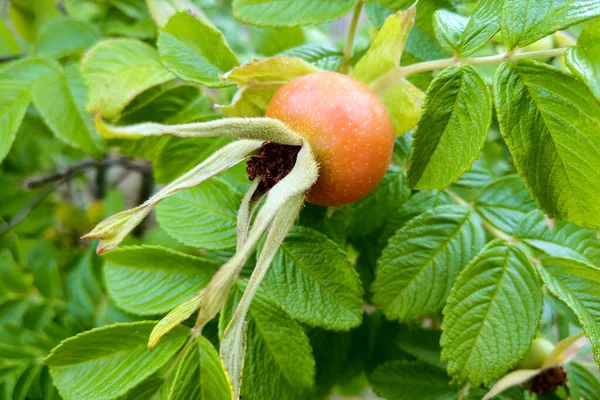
322	57
277	69
385	51
425	256
401	380
163	10
194	50
492	314
174	318
16	80
379	10
60	97
179	155
64	36
290	12
452	128
251	101
279	362
524	22
117	70
150	280
380	204
271	41
584	58
505	202
200	375
8	44
464	36
259	80
564	239
204	216
583	383
105	363
550	122
449	27
580	293
313	281
402	99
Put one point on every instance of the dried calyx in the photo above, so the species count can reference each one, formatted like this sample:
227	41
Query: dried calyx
272	164
548	380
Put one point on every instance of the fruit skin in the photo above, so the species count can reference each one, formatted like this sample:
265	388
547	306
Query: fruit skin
537	354
348	128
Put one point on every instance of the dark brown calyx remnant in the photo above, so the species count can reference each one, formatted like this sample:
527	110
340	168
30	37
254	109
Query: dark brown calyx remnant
272	164
548	380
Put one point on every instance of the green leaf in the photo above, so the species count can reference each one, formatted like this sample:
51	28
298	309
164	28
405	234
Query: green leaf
584	58
16	80
580	291
179	155
322	57
204	216
565	239
150	280
105	363
279	362
550	122
200	375
583	383
195	50
270	41
379	10
313	281
426	255
65	36
250	101
451	130
403	101
422	343
449	27
259	80
175	318
401	380
505	202
290	13
492	314
382	202
8	44
277	69
117	70
464	36
526	22
385	51
60	97
163	10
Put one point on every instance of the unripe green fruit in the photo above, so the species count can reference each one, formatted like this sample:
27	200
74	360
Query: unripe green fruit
537	354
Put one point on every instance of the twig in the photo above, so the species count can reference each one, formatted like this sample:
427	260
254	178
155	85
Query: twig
11	57
31	206
76	168
350	39
398	73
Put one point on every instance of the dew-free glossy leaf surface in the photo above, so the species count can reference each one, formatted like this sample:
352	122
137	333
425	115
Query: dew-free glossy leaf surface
492	314
204	216
290	12
106	362
451	130
551	124
313	281
149	280
421	261
195	50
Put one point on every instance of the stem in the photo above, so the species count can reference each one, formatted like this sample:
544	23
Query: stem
486	225
395	74
345	68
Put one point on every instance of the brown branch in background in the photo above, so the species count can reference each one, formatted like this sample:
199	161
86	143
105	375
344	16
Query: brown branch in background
57	179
